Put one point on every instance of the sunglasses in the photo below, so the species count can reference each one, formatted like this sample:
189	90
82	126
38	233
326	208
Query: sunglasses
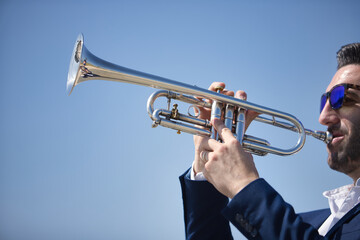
336	95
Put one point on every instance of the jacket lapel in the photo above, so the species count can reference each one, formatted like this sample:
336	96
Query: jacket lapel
354	211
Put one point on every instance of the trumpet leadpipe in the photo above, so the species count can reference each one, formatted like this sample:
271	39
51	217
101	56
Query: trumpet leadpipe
326	137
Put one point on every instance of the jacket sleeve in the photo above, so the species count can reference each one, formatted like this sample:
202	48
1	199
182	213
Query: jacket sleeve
259	212
202	210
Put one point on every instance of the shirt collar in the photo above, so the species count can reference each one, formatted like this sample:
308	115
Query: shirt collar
341	191
337	196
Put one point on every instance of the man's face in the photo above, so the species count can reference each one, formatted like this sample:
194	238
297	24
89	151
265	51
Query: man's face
344	124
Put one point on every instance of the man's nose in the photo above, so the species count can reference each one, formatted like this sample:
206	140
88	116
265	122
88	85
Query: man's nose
328	116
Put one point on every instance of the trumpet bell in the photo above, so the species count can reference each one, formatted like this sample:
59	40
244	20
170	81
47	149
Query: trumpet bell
73	74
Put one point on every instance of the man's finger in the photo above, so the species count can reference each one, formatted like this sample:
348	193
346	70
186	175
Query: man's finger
208	144
228	92
216	85
250	115
223	131
241	94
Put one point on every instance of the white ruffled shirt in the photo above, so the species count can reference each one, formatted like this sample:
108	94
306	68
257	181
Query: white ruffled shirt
341	201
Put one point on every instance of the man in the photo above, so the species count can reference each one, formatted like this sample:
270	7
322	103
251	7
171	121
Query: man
255	208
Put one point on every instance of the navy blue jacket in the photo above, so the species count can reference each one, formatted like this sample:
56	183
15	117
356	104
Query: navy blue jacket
258	212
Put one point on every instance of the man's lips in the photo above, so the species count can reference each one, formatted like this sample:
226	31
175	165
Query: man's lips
337	137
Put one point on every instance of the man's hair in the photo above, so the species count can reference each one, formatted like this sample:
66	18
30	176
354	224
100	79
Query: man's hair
348	54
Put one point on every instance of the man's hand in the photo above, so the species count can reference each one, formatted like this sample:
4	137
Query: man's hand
205	113
226	165
201	142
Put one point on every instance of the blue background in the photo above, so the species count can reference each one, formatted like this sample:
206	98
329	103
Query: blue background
89	165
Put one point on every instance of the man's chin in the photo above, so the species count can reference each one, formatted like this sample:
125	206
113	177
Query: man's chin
341	163
335	161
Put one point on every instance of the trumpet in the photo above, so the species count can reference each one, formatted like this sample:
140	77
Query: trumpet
85	66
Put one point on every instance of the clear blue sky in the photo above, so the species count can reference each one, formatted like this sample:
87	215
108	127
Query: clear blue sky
89	165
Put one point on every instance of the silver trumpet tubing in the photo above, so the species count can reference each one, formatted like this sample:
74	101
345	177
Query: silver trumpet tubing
85	66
